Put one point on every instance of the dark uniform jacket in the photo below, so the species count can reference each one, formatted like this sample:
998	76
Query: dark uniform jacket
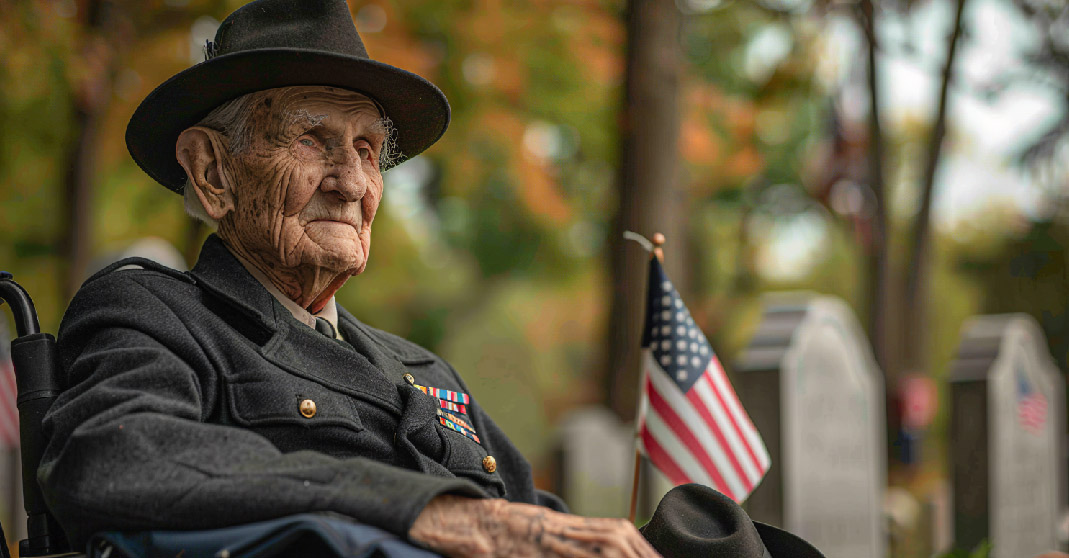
184	411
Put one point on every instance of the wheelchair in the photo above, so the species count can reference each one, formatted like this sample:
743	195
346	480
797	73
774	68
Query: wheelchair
38	381
37	378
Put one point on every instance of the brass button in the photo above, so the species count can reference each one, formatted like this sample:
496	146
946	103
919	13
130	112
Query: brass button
408	378
489	464
308	408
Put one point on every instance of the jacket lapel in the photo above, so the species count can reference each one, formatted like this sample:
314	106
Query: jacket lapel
357	334
365	372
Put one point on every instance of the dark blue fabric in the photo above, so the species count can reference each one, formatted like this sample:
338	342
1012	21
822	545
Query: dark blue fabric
294	536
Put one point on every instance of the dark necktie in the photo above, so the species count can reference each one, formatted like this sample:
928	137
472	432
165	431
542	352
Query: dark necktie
324	327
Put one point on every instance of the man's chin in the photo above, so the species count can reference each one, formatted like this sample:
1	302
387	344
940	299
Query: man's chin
338	259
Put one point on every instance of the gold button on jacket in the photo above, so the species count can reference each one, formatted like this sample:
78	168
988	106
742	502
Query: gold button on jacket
308	408
489	464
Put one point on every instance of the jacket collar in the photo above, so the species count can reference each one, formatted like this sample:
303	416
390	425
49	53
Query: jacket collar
296	347
219	271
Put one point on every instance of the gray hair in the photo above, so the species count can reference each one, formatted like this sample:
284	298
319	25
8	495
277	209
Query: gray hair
231	119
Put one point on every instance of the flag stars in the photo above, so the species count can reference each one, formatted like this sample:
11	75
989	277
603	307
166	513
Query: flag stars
678	345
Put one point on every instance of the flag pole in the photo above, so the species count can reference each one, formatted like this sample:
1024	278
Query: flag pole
658	252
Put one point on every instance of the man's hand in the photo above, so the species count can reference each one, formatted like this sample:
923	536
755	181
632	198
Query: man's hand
465	528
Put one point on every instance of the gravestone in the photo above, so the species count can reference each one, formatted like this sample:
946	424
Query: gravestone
597	453
814	392
1006	425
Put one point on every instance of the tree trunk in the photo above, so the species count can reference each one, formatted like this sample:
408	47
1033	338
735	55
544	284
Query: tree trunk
649	196
915	338
91	96
877	252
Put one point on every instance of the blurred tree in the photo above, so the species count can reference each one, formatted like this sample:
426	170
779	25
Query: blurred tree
918	266
649	194
1045	64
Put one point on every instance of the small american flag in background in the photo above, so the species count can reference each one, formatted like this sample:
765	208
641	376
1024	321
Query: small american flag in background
691	424
9	413
1031	404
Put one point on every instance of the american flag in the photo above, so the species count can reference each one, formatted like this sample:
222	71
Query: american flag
691	424
1031	404
9	413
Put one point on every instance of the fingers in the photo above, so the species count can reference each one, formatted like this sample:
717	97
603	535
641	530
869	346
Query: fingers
601	537
528	530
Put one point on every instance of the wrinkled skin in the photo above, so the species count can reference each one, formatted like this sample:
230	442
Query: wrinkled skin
460	527
298	201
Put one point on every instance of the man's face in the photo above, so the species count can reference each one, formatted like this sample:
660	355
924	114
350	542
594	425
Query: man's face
307	185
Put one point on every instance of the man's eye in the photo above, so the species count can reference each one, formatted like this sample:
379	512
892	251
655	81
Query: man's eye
364	153
308	142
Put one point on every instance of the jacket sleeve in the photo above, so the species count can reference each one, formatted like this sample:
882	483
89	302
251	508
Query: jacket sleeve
130	447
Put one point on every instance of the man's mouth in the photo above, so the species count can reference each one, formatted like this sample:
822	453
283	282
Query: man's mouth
348	222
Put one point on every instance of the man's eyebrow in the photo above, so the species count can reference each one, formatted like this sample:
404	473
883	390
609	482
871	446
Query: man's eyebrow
303	118
378	127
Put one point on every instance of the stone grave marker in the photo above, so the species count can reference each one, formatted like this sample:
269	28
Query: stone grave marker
1006	425
596	456
812	388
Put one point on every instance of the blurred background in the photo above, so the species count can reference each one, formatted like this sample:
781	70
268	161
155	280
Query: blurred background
910	157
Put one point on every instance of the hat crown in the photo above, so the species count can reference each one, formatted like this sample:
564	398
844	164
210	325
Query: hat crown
323	25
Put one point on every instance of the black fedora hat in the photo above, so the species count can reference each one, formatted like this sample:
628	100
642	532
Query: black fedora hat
277	43
695	521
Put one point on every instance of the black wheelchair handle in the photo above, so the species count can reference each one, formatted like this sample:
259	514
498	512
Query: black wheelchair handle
21	306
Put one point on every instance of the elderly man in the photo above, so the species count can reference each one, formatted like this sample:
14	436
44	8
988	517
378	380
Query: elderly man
241	391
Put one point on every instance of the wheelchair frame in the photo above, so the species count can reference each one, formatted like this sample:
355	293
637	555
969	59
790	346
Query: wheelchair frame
37	379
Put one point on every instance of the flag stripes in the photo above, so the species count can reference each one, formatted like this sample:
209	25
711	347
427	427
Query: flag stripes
664	461
709	431
9	413
1032	412
742	431
691	424
710	406
682	438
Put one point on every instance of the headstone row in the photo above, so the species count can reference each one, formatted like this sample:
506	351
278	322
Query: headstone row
812	388
1006	431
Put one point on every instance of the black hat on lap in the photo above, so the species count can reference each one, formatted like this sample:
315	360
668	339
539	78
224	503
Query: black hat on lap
695	521
278	43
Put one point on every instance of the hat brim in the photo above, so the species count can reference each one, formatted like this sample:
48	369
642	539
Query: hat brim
781	544
419	110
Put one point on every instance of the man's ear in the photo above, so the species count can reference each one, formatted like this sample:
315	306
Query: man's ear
200	150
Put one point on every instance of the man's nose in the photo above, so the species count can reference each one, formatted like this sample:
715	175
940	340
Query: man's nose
348	177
